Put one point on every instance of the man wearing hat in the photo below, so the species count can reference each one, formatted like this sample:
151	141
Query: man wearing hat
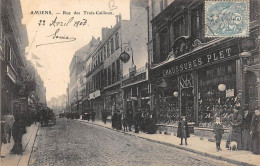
235	121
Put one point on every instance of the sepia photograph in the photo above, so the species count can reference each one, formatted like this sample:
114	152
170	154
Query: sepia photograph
130	82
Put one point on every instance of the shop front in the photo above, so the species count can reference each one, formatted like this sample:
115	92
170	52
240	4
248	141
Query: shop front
136	96
113	100
96	103
199	85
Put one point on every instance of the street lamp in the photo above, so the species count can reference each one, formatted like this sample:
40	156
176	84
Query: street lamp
175	94
124	57
221	87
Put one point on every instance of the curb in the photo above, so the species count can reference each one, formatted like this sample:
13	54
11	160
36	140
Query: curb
33	139
176	146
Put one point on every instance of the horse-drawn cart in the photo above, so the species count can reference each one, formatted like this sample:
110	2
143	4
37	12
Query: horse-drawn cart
47	117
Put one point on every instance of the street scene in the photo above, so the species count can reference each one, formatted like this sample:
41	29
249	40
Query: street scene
129	82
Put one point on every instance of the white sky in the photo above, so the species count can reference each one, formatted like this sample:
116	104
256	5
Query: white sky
56	58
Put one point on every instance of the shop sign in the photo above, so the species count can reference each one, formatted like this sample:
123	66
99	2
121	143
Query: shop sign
230	93
133	79
194	61
94	94
11	74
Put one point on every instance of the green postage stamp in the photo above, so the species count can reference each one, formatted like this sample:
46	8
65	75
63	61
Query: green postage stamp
225	18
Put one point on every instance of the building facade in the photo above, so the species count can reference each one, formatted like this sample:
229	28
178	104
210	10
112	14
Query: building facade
14	39
199	77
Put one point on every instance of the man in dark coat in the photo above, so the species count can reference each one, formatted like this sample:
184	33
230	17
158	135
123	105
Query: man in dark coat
129	120
255	132
246	122
114	120
218	131
19	129
119	121
183	130
235	121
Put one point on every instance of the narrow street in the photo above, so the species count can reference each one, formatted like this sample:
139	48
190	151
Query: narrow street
71	142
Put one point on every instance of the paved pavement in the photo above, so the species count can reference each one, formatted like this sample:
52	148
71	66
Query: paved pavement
27	142
76	143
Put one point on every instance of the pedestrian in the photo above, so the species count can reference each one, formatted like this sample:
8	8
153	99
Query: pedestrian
3	138
19	129
129	118
235	134
255	132
218	131
124	121
119	121
136	122
114	120
246	122
104	116
93	115
8	125
183	130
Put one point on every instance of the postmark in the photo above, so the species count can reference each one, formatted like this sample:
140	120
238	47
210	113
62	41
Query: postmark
225	18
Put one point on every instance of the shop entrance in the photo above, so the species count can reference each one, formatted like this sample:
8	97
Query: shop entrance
187	97
251	96
187	104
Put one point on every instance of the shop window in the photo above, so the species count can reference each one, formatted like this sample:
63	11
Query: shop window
117	40
164	44
213	102
168	107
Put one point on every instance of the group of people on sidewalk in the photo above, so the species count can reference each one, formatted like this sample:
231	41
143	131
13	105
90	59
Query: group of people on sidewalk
141	122
244	130
15	127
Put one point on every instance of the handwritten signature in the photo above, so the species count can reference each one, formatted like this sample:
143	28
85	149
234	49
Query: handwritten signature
111	5
55	36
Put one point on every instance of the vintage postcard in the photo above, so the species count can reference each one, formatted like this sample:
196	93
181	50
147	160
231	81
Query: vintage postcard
129	82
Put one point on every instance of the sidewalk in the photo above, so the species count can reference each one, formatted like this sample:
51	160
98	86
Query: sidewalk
196	145
19	160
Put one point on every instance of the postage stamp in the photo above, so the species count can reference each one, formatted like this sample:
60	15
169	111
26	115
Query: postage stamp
227	18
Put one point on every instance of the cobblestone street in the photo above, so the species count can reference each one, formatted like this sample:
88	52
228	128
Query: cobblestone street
73	143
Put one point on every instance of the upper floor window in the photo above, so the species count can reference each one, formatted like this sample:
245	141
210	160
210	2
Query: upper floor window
118	69
164	44
117	40
178	28
104	52
112	45
254	10
197	22
113	72
108	51
163	4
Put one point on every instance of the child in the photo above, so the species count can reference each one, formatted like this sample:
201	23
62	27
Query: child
183	130
218	131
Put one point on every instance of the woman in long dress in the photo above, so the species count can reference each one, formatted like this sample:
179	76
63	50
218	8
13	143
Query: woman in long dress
255	132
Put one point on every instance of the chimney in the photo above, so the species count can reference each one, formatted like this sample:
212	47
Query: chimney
117	18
